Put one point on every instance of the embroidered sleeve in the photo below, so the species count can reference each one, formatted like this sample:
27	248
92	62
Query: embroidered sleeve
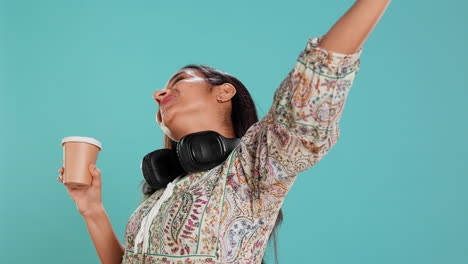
302	124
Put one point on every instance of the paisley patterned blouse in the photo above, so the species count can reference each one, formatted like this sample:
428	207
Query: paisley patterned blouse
226	214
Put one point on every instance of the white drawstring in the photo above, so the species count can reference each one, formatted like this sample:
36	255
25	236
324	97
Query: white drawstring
143	233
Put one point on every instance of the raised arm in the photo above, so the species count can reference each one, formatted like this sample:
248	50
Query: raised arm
350	32
302	124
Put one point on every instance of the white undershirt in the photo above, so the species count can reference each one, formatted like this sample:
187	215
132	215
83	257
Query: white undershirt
143	233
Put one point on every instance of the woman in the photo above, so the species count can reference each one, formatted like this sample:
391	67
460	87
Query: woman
227	213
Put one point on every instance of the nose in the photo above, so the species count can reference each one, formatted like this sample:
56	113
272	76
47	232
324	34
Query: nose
159	95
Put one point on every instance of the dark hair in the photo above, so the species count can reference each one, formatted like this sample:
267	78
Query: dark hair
243	115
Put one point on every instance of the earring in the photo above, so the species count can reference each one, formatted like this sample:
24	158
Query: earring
220	100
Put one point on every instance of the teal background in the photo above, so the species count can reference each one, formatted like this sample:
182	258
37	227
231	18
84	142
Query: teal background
393	190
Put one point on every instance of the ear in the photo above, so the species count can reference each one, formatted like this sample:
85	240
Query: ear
225	91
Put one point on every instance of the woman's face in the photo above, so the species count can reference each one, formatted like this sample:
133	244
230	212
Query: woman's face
188	105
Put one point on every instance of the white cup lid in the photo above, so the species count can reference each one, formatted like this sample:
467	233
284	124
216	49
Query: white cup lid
82	139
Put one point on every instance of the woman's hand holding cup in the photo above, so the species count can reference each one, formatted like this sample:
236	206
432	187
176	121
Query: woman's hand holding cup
81	177
88	200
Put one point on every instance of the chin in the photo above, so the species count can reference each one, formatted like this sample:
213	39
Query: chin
167	130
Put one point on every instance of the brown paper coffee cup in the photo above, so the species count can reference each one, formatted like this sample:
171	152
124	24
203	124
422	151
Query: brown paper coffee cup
78	153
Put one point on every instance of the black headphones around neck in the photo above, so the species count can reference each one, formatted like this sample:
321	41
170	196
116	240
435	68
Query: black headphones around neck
194	152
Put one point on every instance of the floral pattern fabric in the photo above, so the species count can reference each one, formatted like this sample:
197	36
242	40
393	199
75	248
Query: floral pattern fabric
226	214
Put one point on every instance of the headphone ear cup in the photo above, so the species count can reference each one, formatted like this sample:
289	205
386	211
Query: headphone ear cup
199	151
204	150
161	167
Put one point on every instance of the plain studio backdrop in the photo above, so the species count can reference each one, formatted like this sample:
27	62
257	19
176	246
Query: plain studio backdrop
392	190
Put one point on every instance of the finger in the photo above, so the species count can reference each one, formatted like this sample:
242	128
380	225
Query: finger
96	173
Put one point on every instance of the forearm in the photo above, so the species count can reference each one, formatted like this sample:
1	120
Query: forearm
108	246
350	32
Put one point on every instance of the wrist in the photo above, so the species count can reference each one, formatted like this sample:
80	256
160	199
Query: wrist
95	212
